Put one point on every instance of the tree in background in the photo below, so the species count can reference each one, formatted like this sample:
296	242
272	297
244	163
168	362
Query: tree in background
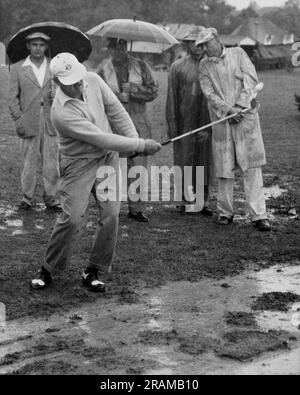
238	19
16	14
287	17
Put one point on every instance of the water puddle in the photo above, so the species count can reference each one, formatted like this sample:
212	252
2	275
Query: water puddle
8	211
279	279
17	223
274	192
286	364
18	233
172	322
283	280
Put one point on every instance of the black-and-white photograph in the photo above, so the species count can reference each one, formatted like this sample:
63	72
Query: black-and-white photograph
149	190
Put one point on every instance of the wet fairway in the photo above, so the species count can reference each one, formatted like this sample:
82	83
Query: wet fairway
186	295
180	328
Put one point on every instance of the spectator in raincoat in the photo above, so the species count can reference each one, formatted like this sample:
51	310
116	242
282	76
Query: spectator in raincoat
30	103
133	83
186	110
228	79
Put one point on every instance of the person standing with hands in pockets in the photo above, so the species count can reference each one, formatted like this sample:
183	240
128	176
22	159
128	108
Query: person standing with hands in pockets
30	104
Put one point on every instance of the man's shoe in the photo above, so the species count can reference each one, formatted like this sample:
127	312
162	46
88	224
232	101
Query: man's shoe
263	225
91	282
25	206
207	212
56	208
140	217
225	220
42	281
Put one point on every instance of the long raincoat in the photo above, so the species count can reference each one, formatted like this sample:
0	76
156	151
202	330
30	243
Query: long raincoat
138	73
226	82
187	110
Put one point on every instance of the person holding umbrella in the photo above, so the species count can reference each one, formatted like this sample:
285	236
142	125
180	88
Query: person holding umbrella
228	79
133	83
186	109
85	112
30	103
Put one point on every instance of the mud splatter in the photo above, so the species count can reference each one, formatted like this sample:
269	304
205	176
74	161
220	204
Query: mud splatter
44	346
155	338
240	319
275	301
46	367
197	345
274	192
9	359
245	345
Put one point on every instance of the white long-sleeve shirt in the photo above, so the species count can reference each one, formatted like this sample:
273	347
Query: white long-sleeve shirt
85	126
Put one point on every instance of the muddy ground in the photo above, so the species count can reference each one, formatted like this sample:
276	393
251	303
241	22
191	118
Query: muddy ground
177	300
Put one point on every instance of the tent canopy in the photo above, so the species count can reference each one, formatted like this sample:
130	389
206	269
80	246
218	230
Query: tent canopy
177	30
264	31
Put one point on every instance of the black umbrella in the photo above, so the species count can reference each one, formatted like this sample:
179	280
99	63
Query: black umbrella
64	38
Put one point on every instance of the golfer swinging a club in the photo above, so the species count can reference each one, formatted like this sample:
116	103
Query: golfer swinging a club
84	112
228	80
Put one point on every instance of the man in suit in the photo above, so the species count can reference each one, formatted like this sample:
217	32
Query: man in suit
30	104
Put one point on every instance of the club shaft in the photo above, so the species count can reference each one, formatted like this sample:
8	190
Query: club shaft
206	126
244	111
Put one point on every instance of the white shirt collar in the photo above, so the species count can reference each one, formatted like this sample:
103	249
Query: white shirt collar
39	72
28	62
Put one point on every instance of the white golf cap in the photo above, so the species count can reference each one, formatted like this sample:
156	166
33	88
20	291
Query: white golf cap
67	68
36	35
206	35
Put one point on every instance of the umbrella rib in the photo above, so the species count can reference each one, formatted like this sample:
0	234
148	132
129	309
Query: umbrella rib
133	31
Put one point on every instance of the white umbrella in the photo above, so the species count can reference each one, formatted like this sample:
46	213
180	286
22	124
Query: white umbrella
147	47
133	30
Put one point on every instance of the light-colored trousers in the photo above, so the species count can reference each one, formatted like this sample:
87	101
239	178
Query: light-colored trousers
40	152
255	198
78	177
139	205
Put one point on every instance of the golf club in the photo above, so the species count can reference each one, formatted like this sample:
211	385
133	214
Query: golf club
258	88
